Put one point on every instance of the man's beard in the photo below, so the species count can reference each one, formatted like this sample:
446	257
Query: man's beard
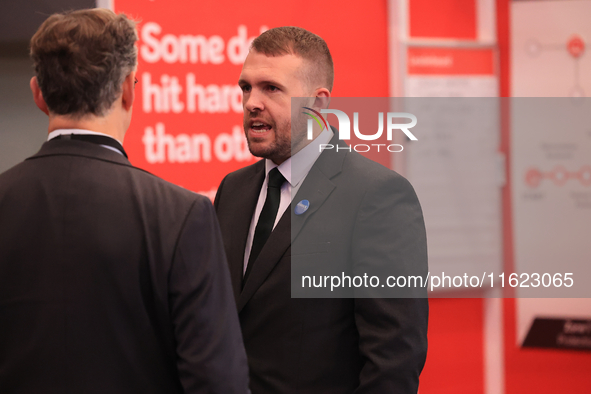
279	150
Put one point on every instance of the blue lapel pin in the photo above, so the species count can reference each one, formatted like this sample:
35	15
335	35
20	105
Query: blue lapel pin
302	207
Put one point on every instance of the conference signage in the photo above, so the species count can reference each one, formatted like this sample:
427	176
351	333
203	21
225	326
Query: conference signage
187	124
187	121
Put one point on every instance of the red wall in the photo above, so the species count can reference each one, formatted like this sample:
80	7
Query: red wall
455	363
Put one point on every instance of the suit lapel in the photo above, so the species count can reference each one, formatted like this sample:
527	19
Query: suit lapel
241	218
318	184
316	188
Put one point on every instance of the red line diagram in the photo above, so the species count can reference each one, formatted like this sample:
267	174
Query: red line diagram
575	48
559	176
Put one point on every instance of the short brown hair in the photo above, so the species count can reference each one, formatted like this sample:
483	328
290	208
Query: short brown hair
297	41
82	58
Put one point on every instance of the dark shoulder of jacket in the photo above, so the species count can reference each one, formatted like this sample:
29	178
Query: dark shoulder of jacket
370	171
13	172
164	188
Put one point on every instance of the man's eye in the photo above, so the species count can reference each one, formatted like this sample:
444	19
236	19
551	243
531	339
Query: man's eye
245	88
273	88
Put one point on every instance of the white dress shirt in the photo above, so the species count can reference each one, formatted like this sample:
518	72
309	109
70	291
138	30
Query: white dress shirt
294	170
58	132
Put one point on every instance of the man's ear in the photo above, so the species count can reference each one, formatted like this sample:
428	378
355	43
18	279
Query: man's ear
128	91
322	98
38	96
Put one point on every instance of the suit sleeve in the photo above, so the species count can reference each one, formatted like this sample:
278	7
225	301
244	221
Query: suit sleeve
210	351
390	239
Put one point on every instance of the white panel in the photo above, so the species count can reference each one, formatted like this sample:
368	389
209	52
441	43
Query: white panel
108	4
486	18
454	168
543	66
541	63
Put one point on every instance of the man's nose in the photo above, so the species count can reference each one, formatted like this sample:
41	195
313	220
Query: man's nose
254	101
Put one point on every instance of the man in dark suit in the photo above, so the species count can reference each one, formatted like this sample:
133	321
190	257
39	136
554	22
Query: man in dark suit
111	279
347	212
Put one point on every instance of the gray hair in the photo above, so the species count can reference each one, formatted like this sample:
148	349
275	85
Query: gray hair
81	59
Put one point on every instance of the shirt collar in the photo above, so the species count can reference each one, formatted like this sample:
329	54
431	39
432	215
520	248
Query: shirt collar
57	132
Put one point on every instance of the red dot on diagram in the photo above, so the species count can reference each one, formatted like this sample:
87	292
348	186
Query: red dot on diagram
533	177
558	175
576	46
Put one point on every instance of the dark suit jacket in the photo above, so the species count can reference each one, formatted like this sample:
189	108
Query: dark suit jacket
363	215
111	281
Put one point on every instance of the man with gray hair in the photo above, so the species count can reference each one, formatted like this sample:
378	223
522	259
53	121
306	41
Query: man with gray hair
111	279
